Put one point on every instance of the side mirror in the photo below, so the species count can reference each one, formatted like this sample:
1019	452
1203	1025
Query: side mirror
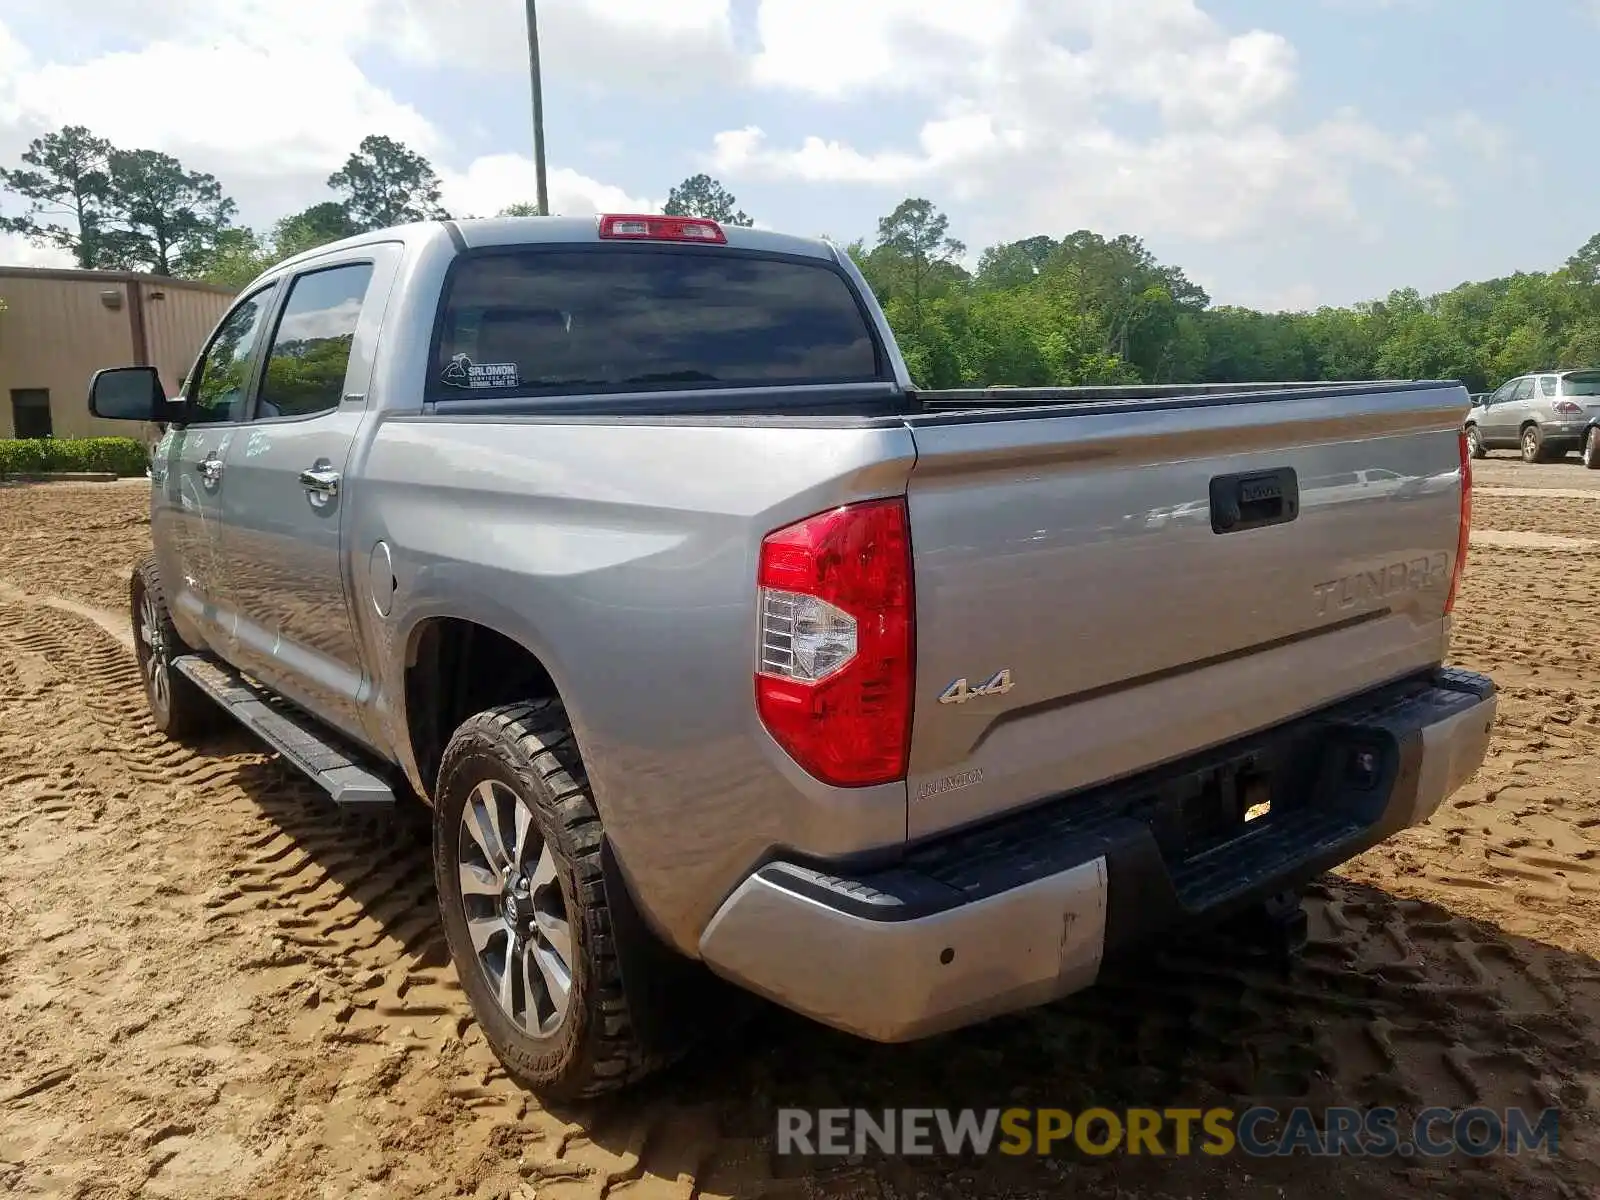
128	394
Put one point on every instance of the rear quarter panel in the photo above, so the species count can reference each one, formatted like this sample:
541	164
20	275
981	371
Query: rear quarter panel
623	554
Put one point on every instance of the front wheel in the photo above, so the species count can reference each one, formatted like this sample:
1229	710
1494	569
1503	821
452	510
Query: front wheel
1591	448
517	861
1475	446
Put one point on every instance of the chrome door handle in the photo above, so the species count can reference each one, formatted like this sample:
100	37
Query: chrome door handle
320	479
211	469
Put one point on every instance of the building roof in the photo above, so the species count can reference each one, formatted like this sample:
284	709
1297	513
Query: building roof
195	285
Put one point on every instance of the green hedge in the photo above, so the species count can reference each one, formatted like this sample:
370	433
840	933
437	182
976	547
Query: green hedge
27	456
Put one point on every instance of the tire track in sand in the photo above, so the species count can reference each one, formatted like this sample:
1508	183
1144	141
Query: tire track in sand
1397	1002
355	942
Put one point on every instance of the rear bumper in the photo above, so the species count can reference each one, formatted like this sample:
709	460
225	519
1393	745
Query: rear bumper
1564	434
1024	910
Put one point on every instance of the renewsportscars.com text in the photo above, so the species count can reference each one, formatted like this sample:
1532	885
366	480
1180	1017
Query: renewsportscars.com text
1255	1132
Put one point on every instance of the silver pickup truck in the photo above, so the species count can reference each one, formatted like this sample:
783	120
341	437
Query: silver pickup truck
712	642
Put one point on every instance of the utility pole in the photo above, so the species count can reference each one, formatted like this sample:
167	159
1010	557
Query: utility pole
538	107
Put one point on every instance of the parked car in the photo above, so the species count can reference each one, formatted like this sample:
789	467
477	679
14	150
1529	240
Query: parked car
721	650
1545	415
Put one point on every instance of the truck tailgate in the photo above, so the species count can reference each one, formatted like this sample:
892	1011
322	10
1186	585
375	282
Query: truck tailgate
1136	581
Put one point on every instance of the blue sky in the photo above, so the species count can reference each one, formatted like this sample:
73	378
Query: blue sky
1321	151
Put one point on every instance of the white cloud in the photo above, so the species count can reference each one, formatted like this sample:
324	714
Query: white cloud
1297	297
642	45
832	47
180	94
16	250
1166	52
1025	108
626	43
272	156
498	181
1483	137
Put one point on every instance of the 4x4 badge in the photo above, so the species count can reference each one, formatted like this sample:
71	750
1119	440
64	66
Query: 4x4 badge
959	692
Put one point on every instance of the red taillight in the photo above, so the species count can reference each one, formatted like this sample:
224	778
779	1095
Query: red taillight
1567	408
662	229
1466	524
834	677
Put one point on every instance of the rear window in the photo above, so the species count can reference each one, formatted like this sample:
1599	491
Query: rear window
634	319
1582	383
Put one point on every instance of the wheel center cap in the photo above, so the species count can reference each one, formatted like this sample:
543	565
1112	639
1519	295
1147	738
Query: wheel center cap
517	909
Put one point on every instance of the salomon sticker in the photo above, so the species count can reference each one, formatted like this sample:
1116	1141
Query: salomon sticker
463	372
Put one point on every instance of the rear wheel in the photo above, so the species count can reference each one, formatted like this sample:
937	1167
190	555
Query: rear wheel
517	861
1475	443
1591	448
1532	445
179	709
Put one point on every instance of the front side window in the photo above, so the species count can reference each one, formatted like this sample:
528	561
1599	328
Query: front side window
223	376
634	319
311	347
1502	393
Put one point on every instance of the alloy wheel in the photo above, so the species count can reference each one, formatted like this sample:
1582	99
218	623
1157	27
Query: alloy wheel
514	909
154	642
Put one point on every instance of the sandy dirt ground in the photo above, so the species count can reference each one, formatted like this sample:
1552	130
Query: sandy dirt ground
213	985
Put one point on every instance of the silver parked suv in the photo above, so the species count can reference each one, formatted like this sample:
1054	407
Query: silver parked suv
1544	415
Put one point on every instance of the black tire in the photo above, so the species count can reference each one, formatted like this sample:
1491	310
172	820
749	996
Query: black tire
1591	448
1532	443
178	708
529	749
1475	446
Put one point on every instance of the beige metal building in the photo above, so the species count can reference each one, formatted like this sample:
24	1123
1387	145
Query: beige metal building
60	327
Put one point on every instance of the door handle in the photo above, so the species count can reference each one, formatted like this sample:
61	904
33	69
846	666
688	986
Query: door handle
1254	500
324	480
211	469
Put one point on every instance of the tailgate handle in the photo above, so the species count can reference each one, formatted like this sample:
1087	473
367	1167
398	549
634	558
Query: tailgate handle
1254	499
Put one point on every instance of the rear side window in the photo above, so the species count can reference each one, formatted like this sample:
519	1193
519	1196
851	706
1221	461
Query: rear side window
632	319
1583	383
311	348
1547	385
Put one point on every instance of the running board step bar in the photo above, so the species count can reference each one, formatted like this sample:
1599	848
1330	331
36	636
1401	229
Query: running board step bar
291	733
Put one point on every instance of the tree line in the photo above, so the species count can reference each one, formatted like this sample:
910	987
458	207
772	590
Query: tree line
141	210
1085	309
1042	311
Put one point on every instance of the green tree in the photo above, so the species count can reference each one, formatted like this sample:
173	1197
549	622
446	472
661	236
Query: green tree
703	196
301	372
386	183
1015	264
312	227
160	217
521	208
1585	264
237	257
65	177
915	257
